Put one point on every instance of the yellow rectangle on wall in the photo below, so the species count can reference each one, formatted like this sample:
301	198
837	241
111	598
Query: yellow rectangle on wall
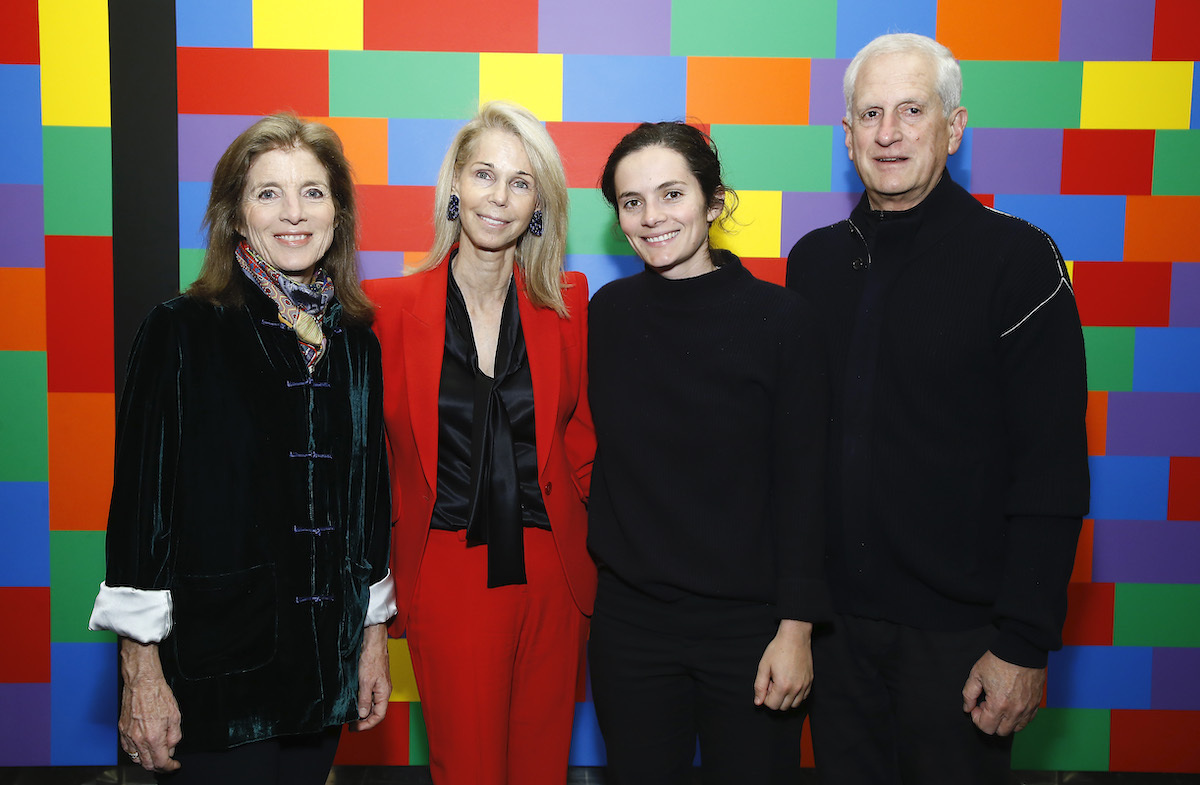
534	81
756	225
308	24
73	36
1136	95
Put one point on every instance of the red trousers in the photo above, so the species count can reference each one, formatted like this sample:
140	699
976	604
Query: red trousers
496	668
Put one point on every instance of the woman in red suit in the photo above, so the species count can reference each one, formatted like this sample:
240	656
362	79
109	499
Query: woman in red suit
491	444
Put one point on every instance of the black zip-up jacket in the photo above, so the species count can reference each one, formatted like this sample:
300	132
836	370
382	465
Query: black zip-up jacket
957	453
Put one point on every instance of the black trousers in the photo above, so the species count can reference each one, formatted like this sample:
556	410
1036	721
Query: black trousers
665	673
287	760
887	707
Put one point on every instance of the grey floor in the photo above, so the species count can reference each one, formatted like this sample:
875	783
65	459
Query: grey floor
419	775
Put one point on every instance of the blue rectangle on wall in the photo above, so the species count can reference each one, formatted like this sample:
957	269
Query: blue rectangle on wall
1166	359
1099	677
624	89
83	704
1086	228
1129	487
25	557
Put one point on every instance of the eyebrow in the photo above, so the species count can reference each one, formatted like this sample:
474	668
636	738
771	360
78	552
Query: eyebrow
659	187
491	165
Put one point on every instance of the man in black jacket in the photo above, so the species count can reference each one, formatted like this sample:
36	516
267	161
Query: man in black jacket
958	464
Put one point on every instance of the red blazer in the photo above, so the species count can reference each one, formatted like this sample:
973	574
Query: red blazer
410	321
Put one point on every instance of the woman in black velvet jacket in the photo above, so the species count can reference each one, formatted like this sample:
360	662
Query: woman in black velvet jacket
249	526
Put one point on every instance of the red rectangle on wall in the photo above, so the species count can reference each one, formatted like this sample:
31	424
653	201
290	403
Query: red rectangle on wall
1183	497
584	148
384	745
19	33
1154	741
1120	294
1107	162
25	614
396	217
1089	615
461	26
253	81
79	314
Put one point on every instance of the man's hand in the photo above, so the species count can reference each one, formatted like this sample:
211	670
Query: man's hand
785	672
1002	698
374	678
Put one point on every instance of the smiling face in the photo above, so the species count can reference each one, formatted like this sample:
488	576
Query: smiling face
898	135
497	195
663	212
288	211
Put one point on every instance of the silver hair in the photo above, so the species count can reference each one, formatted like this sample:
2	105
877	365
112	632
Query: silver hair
947	80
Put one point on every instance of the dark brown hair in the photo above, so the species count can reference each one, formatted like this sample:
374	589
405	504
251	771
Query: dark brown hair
223	223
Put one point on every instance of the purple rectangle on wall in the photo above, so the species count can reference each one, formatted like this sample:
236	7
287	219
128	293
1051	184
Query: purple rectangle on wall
614	27
202	139
1185	294
1154	423
1146	552
803	212
23	226
1173	682
381	264
25	725
1106	30
1016	161
826	102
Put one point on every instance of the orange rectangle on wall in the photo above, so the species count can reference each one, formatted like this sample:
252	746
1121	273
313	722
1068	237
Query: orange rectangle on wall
1013	30
25	302
748	90
365	140
1155	229
395	217
82	433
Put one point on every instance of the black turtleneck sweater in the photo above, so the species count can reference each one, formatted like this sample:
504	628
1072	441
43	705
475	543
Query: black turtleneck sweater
709	397
958	465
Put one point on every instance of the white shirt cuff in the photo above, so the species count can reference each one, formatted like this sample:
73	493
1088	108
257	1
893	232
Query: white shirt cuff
382	605
145	615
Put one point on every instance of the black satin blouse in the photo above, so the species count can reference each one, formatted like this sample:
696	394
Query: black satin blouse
487	476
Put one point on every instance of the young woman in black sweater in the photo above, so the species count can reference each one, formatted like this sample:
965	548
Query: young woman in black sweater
709	395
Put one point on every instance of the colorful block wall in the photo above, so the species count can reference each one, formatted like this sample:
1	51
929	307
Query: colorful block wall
1083	119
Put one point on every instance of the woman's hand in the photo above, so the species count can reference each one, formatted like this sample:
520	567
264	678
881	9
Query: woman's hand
150	723
374	678
785	672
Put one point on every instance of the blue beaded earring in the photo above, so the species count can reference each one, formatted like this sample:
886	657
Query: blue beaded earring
452	208
535	224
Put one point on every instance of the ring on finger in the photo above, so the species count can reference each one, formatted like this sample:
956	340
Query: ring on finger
135	755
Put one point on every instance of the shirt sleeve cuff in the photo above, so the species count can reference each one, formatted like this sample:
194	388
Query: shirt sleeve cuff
382	605
144	615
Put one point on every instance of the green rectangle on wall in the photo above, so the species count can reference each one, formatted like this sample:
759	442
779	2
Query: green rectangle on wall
418	84
764	28
775	157
76	569
1176	162
418	742
1156	614
1109	352
190	262
593	226
1063	740
1003	94
77	173
23	433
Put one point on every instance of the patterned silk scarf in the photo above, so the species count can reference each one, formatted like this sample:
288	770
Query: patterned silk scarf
301	306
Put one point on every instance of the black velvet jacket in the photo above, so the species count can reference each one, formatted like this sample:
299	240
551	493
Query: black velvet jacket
258	496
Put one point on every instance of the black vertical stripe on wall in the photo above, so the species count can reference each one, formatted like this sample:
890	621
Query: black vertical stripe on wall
145	164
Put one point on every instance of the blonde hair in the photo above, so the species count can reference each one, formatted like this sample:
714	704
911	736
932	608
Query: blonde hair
540	258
